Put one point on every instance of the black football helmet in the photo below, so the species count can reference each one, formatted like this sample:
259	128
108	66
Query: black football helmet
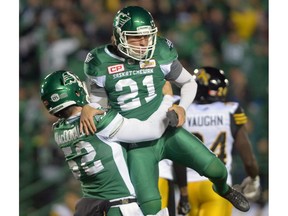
212	85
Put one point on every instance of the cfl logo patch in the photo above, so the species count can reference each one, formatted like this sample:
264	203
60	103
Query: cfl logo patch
55	97
115	68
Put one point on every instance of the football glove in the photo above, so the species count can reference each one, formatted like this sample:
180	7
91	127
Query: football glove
173	118
250	188
183	206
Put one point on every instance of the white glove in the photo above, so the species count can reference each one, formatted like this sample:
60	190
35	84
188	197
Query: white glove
251	188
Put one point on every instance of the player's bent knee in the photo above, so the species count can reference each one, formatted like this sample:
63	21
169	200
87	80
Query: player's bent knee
215	170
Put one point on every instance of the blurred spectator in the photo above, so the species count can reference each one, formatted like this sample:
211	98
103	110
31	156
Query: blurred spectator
234	50
239	90
217	25
243	18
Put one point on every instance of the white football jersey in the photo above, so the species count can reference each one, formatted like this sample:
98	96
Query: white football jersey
214	124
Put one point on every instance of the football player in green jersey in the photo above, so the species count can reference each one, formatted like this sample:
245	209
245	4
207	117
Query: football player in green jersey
97	161
130	72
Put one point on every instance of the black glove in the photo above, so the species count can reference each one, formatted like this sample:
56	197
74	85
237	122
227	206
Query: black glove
183	206
173	118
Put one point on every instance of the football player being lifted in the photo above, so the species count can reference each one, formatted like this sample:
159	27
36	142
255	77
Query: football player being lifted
129	73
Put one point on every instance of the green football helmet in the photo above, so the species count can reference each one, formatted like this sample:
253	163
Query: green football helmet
61	89
135	21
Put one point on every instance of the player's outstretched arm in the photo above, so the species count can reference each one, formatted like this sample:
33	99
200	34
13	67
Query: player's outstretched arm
244	148
250	186
134	130
188	91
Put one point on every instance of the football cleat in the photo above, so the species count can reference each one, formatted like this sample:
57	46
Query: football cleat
237	199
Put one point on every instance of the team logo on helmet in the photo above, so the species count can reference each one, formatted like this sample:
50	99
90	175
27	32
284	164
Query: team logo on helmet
203	77
68	78
122	19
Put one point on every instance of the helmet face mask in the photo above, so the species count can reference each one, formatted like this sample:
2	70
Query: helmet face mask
62	89
134	21
212	85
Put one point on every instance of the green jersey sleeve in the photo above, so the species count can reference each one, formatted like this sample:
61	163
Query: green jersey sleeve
98	60
165	52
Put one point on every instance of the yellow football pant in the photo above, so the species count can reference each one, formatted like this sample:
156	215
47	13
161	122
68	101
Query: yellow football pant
205	202
164	191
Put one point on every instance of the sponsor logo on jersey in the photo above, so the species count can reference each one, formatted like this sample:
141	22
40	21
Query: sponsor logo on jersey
133	73
115	68
148	64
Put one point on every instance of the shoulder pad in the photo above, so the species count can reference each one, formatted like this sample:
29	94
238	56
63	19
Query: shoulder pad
97	61
165	52
93	61
57	123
